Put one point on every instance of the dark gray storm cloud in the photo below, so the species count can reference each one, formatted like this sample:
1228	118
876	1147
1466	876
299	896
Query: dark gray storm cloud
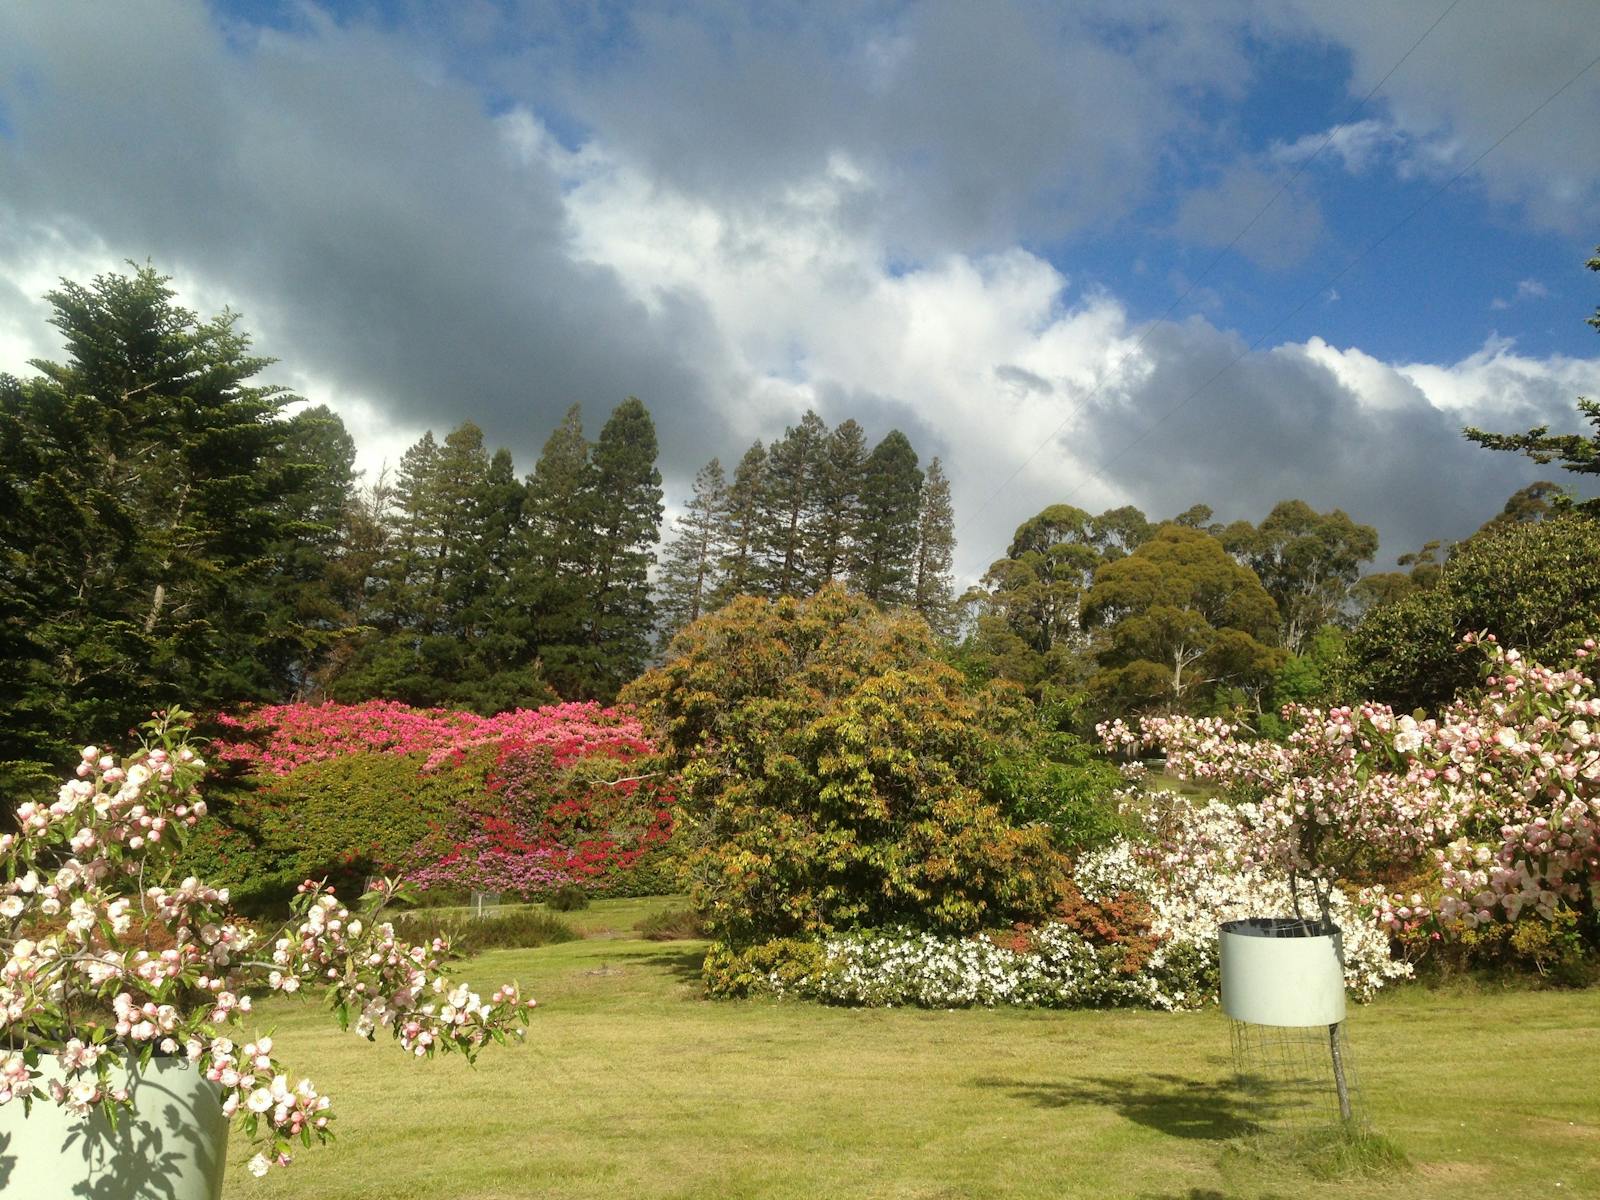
370	220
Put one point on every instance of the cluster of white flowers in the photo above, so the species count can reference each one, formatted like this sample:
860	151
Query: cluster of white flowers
1205	878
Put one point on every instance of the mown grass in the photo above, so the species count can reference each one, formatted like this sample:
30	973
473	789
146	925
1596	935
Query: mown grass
630	1085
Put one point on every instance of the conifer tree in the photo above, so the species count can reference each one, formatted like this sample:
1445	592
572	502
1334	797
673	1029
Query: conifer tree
690	564
740	569
932	590
886	544
626	507
548	584
790	500
142	484
837	515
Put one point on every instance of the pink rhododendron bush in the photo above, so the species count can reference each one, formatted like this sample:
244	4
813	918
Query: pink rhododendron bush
523	802
111	956
1434	831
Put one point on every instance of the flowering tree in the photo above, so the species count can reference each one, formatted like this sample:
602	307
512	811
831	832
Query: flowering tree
1496	803
109	959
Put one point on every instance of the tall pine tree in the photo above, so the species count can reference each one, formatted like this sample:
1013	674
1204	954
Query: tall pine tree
689	572
932	590
790	500
740	570
884	559
626	509
143	488
836	518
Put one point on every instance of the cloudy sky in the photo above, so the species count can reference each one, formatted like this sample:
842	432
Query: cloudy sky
1147	251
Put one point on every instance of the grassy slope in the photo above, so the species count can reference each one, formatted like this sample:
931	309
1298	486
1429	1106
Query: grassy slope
631	1086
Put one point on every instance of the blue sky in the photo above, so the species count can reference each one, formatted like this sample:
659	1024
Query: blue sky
963	220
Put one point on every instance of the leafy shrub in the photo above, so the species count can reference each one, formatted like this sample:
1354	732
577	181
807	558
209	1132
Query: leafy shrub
837	775
1040	773
570	898
672	924
780	966
1532	585
343	819
517	929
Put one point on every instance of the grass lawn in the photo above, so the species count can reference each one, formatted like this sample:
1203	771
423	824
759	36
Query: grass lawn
631	1086
602	919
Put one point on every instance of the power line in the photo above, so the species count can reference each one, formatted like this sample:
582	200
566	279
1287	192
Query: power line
1333	130
1331	280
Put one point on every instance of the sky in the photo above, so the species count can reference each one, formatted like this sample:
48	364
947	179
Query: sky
1159	252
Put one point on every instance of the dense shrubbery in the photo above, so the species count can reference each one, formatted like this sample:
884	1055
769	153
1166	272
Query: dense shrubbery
1534	585
836	775
525	802
1136	927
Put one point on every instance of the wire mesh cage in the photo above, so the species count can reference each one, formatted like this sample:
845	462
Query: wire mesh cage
1298	1078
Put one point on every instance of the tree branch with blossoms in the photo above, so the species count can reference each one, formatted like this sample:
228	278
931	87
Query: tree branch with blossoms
1497	800
108	961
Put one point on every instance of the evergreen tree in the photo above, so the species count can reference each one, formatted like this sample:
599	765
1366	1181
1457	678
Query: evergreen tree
884	560
626	509
837	515
740	569
305	612
549	583
143	488
689	570
789	504
932	590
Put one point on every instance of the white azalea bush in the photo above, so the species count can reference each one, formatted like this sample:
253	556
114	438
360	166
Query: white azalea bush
1175	899
109	960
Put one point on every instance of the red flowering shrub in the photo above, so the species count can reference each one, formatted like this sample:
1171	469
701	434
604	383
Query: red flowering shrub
534	799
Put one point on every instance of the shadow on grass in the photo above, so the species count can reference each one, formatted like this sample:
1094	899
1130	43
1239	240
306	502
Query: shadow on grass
675	961
1169	1104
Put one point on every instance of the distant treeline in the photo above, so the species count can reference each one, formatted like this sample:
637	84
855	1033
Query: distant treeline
170	535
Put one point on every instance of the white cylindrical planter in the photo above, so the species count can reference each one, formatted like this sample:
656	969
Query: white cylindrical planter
170	1146
1280	971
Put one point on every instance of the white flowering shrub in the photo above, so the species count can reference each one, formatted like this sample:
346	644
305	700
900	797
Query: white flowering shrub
1204	878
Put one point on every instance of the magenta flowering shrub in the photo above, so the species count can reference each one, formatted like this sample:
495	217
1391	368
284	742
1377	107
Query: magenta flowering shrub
277	738
1495	805
110	958
564	798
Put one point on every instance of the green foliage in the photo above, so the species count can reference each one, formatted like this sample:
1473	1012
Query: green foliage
779	965
834	776
1042	773
1534	586
933	594
155	507
343	818
689	568
1307	561
883	563
1181	618
570	898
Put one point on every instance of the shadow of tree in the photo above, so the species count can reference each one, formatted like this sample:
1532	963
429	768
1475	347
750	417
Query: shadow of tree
1177	1107
681	964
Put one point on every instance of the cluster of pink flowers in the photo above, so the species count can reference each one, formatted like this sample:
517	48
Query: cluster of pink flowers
1500	795
277	738
106	958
